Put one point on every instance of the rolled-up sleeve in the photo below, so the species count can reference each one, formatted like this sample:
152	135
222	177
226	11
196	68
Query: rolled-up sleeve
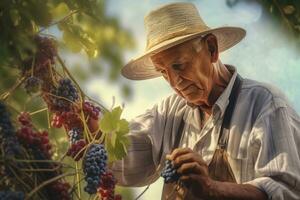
277	165
138	168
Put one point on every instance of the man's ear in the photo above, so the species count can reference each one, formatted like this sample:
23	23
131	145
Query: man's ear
212	45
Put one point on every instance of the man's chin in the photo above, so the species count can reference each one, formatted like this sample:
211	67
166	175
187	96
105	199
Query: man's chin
195	102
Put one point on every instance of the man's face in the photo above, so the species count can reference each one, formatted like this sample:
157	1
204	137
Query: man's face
189	72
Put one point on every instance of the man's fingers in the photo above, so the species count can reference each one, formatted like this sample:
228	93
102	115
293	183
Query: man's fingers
188	157
179	151
190	168
183	158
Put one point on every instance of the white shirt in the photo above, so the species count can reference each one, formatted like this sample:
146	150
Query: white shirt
263	146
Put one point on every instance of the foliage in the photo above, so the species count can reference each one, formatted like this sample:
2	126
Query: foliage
286	12
79	26
115	130
33	34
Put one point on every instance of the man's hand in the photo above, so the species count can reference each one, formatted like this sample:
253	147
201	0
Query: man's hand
195	176
193	170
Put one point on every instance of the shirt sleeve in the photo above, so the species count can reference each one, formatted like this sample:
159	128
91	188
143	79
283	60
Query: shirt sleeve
138	168
277	166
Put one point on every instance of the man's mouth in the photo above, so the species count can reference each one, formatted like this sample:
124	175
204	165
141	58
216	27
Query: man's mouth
190	90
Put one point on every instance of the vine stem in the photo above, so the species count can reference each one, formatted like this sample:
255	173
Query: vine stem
73	79
78	180
38	111
283	15
61	20
18	178
142	192
69	74
5	95
46	183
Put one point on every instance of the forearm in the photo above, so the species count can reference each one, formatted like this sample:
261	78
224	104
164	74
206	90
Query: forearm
233	191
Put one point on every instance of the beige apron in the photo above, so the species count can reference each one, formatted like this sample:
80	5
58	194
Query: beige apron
219	168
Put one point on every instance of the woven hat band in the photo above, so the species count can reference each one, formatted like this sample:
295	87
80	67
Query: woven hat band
172	21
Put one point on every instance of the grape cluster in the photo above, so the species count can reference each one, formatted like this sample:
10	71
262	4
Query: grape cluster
7	133
6	127
32	84
40	62
60	190
75	134
94	166
11	195
169	173
46	50
68	119
91	110
64	95
107	187
76	150
35	140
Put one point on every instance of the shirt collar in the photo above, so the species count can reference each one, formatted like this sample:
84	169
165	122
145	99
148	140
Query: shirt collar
219	107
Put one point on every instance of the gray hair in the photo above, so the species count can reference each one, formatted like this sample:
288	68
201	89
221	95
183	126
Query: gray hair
197	44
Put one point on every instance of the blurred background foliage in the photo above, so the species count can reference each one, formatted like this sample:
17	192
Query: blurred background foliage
285	12
80	26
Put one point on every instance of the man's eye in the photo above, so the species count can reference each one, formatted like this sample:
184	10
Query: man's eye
162	71
177	66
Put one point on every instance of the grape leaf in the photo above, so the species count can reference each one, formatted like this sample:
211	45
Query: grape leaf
110	120
123	127
120	150
115	130
113	139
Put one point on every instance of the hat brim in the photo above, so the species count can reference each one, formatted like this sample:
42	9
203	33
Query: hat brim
142	68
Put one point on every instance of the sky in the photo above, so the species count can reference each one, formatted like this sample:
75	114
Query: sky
266	54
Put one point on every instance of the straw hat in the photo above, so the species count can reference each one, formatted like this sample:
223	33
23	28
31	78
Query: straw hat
170	25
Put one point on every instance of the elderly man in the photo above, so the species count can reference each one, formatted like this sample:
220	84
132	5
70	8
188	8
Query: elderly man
228	137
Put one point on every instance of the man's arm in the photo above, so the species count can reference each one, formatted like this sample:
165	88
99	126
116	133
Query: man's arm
232	191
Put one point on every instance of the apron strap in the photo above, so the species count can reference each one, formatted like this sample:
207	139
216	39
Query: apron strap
224	133
223	138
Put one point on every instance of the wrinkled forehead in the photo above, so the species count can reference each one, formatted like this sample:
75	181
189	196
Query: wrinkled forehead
172	52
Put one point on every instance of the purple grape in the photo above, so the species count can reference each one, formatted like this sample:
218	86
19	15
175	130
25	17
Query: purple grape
32	84
169	173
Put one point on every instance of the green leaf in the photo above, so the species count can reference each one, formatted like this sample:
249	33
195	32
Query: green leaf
123	127
72	42
113	139
110	150
120	150
110	120
60	11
